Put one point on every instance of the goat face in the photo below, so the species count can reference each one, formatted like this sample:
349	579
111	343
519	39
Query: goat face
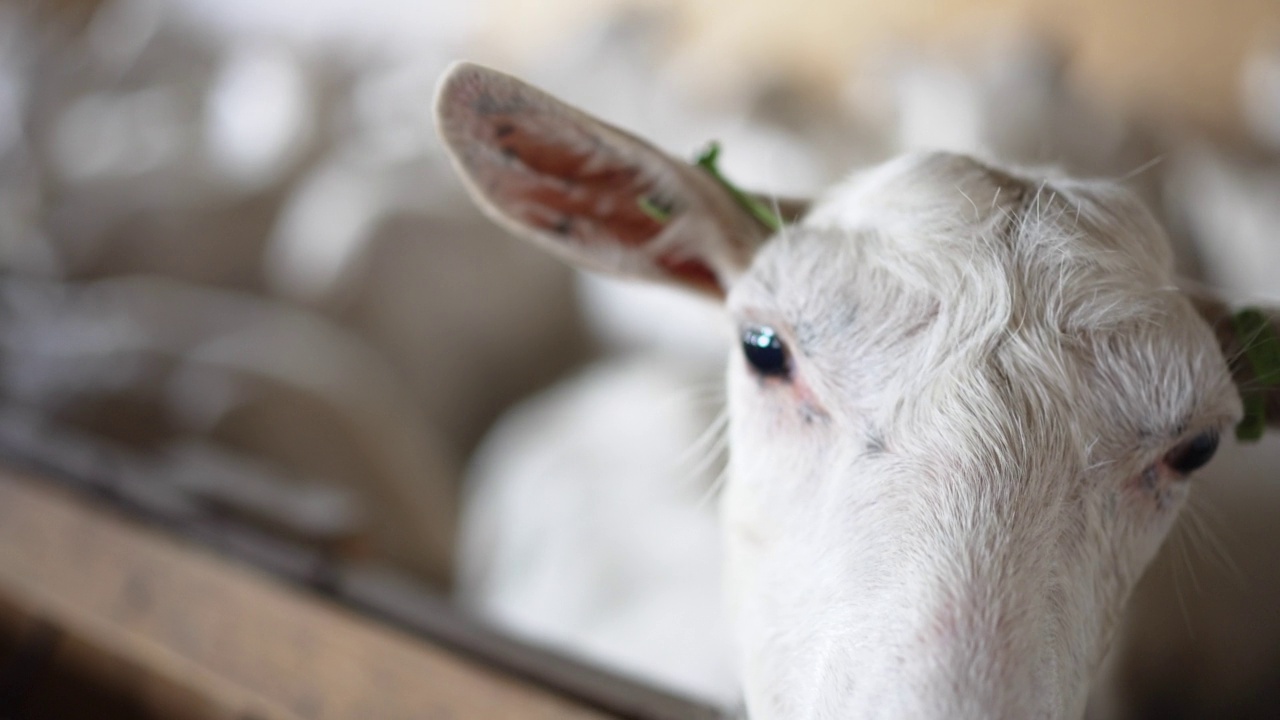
961	423
988	401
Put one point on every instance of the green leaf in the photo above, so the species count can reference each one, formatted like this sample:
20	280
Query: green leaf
707	160
657	212
1262	350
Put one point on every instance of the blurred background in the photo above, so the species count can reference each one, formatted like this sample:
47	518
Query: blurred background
235	263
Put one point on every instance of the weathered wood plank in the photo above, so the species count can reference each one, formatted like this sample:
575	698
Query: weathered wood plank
234	638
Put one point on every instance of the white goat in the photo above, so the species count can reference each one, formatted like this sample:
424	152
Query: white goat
587	525
251	379
963	417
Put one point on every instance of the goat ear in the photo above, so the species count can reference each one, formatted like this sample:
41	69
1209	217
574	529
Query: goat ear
1250	340
588	191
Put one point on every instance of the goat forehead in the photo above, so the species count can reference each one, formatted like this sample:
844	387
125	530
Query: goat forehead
1058	286
1076	255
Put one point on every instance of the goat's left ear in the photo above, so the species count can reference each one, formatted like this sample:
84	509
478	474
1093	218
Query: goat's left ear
1250	340
590	192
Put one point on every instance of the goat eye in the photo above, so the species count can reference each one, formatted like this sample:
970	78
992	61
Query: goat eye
1194	453
766	353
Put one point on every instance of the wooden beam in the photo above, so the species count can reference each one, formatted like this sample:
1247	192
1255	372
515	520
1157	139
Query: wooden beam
236	640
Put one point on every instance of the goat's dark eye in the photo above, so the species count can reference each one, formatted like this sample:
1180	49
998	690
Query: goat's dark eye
1194	453
766	352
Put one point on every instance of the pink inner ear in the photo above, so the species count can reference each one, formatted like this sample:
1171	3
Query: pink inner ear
692	271
547	166
577	188
541	164
574	188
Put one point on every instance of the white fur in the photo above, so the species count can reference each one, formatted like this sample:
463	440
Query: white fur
940	510
588	525
942	514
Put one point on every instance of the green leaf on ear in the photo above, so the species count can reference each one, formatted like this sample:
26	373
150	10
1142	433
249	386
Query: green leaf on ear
656	211
707	161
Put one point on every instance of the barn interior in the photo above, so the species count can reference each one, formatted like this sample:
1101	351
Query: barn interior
265	370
